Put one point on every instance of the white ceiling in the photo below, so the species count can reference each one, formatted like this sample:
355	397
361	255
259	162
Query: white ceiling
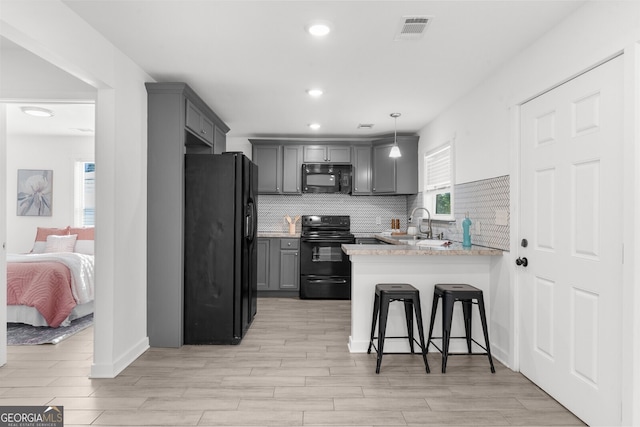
69	119
252	61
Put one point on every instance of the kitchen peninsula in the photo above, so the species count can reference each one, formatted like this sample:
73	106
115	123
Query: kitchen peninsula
423	267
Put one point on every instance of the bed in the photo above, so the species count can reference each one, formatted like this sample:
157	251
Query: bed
54	283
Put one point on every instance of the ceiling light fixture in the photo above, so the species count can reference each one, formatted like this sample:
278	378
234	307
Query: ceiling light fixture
314	126
315	92
318	28
395	150
37	111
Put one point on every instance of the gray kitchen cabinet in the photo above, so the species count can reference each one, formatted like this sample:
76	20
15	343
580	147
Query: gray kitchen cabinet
170	135
361	169
269	161
198	123
395	175
278	267
327	154
279	168
263	263
289	264
291	169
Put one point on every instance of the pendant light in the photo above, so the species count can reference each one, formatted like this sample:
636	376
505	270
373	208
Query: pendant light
395	150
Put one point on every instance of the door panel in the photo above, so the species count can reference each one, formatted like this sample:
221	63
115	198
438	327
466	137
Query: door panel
571	213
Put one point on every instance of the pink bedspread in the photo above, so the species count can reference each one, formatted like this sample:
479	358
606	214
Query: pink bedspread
43	285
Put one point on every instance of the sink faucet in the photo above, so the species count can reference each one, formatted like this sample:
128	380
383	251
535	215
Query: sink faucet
429	230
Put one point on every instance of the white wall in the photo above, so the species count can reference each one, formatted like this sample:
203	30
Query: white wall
484	124
53	32
239	144
54	153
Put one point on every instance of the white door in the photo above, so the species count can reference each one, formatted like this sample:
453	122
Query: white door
571	216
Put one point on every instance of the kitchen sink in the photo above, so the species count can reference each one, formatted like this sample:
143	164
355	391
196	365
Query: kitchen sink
423	242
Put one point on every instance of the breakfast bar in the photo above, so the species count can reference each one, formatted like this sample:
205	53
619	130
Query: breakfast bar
422	265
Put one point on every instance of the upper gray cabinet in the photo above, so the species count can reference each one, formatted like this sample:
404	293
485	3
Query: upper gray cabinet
395	175
374	172
291	169
327	154
199	124
269	161
279	168
178	121
362	170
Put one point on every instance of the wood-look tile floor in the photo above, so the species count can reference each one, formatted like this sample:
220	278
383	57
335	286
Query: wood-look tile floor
292	369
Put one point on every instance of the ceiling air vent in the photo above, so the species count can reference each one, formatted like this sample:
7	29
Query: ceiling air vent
412	27
365	125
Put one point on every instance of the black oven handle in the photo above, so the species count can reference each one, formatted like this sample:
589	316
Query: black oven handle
328	240
327	280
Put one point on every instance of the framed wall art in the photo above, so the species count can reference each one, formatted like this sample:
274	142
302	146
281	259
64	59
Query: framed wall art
35	192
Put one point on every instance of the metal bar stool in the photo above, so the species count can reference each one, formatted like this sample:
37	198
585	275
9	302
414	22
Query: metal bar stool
465	294
385	294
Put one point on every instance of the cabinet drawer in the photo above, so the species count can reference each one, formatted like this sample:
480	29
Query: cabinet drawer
289	243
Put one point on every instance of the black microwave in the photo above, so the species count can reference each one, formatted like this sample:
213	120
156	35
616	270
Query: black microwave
326	178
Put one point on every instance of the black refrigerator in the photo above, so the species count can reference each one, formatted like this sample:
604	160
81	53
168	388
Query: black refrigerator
220	254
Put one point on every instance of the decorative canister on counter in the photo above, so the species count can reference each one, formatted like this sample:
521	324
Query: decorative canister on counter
292	223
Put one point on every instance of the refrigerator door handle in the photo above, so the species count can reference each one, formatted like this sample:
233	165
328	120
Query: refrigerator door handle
250	221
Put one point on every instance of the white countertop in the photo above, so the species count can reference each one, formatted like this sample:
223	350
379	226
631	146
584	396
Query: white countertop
278	234
398	248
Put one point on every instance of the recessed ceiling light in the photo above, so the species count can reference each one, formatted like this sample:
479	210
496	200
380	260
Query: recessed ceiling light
318	28
37	111
314	126
315	92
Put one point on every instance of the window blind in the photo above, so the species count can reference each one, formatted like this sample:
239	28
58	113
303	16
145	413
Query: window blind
438	169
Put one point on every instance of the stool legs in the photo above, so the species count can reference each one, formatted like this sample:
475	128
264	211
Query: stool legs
382	328
376	309
447	316
466	294
434	308
410	297
408	313
418	308
466	310
483	319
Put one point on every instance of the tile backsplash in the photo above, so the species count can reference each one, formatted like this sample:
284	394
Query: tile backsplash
363	210
484	200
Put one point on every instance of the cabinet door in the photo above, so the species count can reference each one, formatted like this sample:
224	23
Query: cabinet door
291	169
315	154
407	166
269	161
361	169
199	124
193	118
339	154
263	264
289	269
384	170
207	129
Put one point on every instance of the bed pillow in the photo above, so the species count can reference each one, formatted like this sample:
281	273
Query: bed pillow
41	237
85	242
60	243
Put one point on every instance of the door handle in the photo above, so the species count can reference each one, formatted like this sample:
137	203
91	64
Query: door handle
522	261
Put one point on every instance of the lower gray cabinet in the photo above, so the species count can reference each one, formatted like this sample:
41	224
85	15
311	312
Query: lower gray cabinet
263	263
278	266
289	264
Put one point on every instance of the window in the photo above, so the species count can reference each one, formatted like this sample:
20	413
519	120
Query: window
438	188
85	194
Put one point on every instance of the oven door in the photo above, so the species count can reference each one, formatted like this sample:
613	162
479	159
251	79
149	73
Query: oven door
324	257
